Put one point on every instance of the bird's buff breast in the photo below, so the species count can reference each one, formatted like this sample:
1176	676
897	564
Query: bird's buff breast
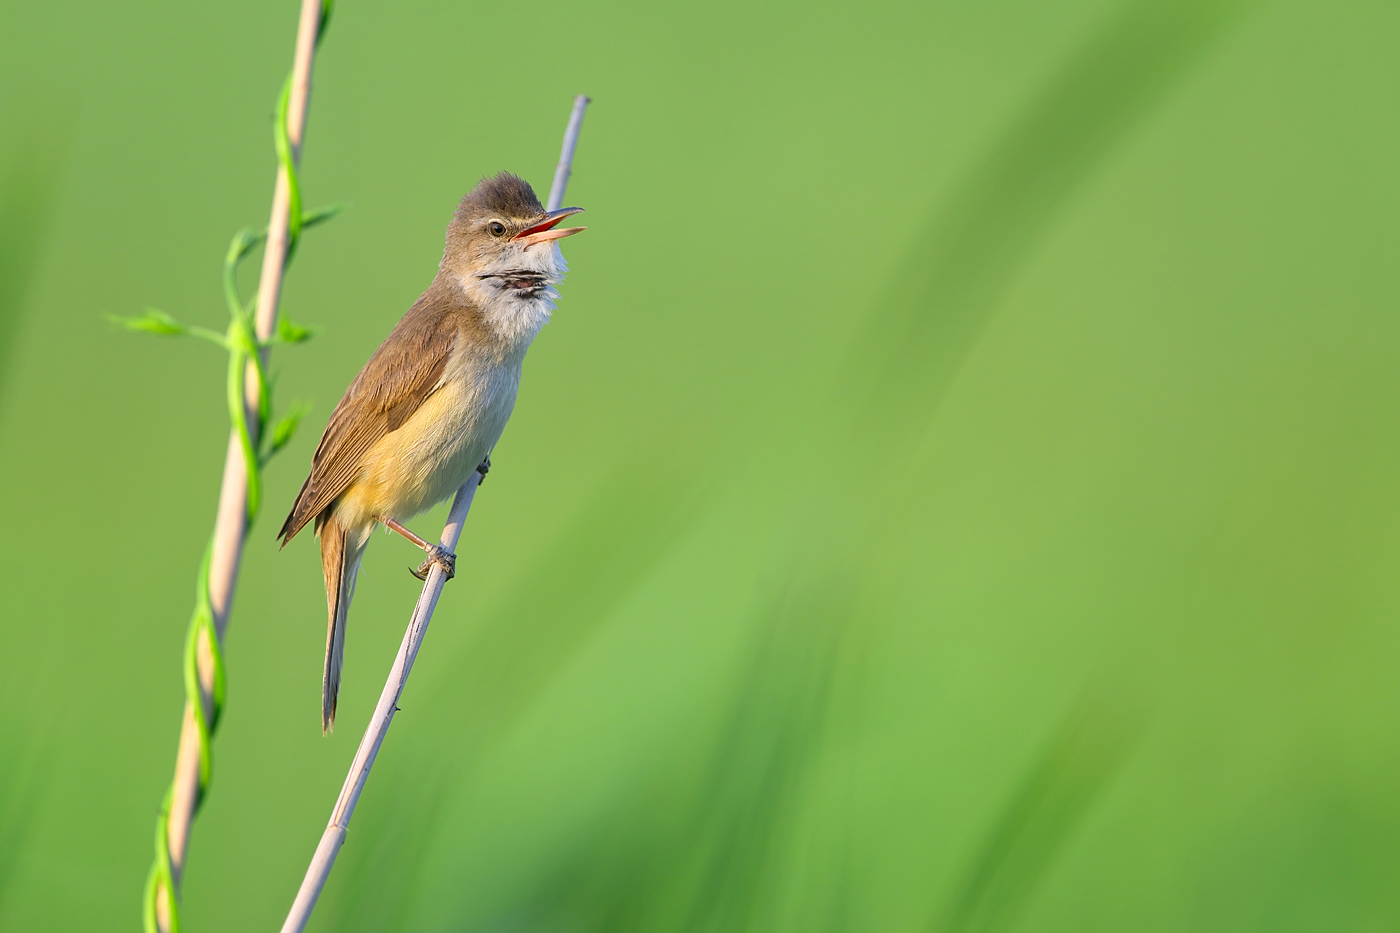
433	453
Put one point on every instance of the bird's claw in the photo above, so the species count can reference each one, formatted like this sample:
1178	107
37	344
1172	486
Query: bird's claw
483	468
443	558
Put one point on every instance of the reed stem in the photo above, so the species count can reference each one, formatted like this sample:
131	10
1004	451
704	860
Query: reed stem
237	504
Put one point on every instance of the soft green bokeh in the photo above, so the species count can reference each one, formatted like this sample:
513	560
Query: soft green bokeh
957	491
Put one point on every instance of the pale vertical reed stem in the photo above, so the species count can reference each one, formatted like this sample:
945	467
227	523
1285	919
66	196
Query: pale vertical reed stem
232	522
566	155
334	836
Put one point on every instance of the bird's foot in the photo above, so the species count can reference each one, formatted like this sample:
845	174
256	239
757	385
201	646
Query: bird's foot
483	468
437	554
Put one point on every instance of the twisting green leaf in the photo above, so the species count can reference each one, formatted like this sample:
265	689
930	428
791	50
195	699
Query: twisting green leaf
283	143
160	886
243	243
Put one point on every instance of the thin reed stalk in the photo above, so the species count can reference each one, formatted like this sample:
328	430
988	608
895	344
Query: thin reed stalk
565	167
239	493
334	836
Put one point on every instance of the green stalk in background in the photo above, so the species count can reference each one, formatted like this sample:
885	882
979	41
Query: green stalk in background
28	185
253	328
29	178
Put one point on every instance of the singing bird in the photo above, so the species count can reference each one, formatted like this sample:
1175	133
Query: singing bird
432	401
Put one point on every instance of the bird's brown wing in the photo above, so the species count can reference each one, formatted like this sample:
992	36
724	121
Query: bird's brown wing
401	374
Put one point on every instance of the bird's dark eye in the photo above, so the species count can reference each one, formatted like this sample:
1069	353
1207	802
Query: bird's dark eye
496	227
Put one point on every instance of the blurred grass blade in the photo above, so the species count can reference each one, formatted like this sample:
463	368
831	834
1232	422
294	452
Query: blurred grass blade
1058	791
616	542
767	755
21	786
29	185
962	262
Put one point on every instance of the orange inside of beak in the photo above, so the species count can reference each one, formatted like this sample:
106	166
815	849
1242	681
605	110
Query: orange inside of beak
545	230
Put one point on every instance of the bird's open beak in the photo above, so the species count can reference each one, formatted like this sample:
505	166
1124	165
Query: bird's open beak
545	229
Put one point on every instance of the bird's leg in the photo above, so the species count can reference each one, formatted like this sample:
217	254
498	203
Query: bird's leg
437	554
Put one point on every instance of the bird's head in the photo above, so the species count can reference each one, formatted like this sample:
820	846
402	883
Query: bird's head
502	236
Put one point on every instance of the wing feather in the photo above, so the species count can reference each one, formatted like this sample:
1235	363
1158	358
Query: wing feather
405	370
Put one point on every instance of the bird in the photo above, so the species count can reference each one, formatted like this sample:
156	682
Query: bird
431	403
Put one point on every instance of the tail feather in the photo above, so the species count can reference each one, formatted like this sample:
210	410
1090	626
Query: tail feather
340	560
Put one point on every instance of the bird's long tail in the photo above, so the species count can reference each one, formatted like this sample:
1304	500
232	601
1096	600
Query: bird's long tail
341	549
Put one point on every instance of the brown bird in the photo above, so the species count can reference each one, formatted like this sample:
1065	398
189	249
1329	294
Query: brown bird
432	401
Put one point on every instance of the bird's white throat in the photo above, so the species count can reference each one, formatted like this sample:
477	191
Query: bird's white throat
516	293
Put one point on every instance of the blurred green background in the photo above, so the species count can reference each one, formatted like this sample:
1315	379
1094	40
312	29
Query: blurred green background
957	491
